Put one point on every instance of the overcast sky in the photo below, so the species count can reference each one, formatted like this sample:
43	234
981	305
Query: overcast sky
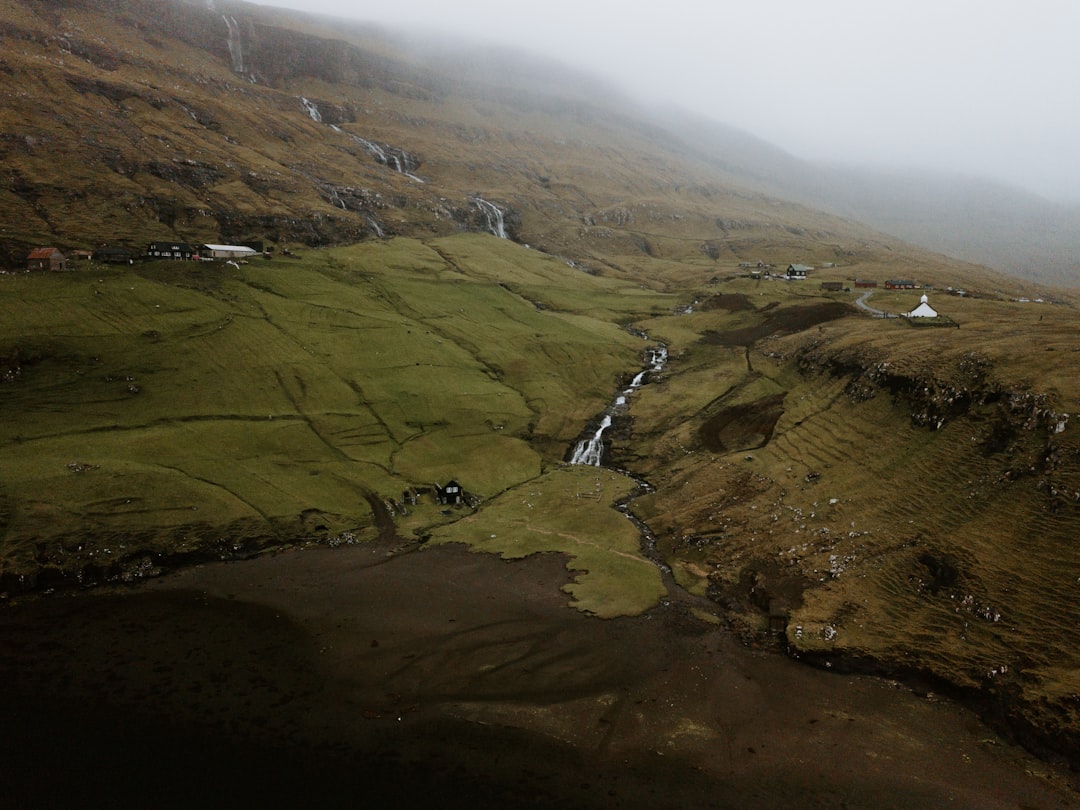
984	87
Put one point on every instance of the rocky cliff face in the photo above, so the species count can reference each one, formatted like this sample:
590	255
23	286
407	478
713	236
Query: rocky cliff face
939	552
964	387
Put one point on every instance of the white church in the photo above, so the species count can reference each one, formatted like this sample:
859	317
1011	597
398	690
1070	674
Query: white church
923	310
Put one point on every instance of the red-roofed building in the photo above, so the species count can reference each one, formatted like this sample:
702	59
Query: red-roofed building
47	258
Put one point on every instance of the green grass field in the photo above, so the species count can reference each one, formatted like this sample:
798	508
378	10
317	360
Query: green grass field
569	510
178	406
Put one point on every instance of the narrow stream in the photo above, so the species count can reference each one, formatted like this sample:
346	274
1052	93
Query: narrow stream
591	450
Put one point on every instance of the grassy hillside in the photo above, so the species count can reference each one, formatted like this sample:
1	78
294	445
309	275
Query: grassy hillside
187	408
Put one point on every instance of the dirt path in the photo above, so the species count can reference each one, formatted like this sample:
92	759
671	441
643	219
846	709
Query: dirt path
860	302
441	678
384	521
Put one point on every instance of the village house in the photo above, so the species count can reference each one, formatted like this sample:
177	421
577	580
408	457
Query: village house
797	271
113	255
170	250
452	493
46	258
900	284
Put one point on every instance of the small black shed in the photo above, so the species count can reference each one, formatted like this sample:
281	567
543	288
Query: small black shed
452	493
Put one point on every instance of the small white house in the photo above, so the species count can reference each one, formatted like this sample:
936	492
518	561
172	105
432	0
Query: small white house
226	252
923	310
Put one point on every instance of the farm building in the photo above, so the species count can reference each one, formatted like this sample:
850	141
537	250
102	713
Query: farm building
226	252
900	284
832	286
113	255
46	258
797	271
169	250
865	282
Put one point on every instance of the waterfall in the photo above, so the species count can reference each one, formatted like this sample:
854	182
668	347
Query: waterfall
235	49
312	110
397	159
374	148
493	216
590	451
335	198
403	163
375	226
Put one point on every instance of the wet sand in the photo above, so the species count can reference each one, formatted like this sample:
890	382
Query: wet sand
380	674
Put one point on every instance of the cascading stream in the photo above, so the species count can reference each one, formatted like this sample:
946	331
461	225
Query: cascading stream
236	52
591	451
493	215
312	110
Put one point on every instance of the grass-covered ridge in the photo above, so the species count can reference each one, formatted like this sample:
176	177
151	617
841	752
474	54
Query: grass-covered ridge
176	408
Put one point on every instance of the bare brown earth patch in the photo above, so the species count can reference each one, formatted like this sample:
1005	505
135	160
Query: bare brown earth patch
785	320
414	676
729	302
742	427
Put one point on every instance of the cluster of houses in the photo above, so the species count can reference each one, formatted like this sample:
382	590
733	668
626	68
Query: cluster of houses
924	313
50	258
794	272
800	272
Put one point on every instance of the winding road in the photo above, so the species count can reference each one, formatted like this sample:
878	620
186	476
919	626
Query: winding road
877	313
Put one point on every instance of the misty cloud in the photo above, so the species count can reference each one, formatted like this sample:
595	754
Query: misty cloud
982	87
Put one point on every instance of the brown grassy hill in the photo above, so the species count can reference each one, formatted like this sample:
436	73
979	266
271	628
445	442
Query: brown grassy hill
883	496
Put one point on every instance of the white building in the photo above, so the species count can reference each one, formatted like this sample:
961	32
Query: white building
923	310
226	252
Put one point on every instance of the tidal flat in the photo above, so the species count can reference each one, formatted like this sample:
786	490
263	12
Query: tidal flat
432	675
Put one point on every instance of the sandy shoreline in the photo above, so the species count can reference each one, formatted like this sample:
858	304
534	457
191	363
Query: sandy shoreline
437	676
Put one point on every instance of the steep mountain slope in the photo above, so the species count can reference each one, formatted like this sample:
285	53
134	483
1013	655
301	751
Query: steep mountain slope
136	121
125	123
